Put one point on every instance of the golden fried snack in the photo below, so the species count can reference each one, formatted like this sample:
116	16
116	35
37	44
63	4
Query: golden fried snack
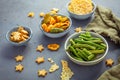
40	48
19	68
42	14
53	68
42	73
109	62
19	58
31	14
53	47
39	60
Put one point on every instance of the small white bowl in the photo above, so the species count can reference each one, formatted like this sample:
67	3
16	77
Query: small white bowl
21	43
96	60
57	35
81	17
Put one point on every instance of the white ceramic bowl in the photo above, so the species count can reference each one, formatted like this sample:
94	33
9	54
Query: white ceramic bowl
81	17
57	35
98	59
21	43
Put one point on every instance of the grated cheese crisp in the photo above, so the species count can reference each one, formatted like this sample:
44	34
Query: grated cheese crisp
80	6
66	73
53	68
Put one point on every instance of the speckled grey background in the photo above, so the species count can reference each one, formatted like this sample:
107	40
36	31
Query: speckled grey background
14	12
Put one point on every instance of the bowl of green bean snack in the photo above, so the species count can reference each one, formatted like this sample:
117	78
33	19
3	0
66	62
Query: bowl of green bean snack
86	48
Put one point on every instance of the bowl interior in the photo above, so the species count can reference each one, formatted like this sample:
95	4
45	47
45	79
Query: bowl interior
97	59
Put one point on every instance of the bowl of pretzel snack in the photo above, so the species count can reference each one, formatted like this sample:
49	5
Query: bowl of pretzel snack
19	35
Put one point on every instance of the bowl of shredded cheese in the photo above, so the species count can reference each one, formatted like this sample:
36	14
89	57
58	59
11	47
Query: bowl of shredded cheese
81	9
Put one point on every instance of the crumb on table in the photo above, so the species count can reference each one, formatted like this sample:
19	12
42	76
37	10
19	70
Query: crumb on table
78	29
42	14
31	14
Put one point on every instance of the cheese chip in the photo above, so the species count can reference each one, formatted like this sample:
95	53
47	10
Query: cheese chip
66	73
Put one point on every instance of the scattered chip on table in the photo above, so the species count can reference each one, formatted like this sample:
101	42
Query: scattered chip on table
78	29
53	46
39	60
50	60
42	73
42	14
19	68
109	62
31	14
40	48
19	58
53	68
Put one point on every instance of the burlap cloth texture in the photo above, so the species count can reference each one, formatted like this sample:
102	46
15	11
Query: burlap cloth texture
105	23
111	74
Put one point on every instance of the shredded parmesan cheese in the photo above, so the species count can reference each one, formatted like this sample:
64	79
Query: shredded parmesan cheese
80	6
53	68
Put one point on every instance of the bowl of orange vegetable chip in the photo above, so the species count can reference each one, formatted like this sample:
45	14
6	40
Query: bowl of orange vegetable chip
81	9
55	25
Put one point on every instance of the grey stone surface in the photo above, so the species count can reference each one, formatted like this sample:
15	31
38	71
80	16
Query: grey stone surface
14	12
